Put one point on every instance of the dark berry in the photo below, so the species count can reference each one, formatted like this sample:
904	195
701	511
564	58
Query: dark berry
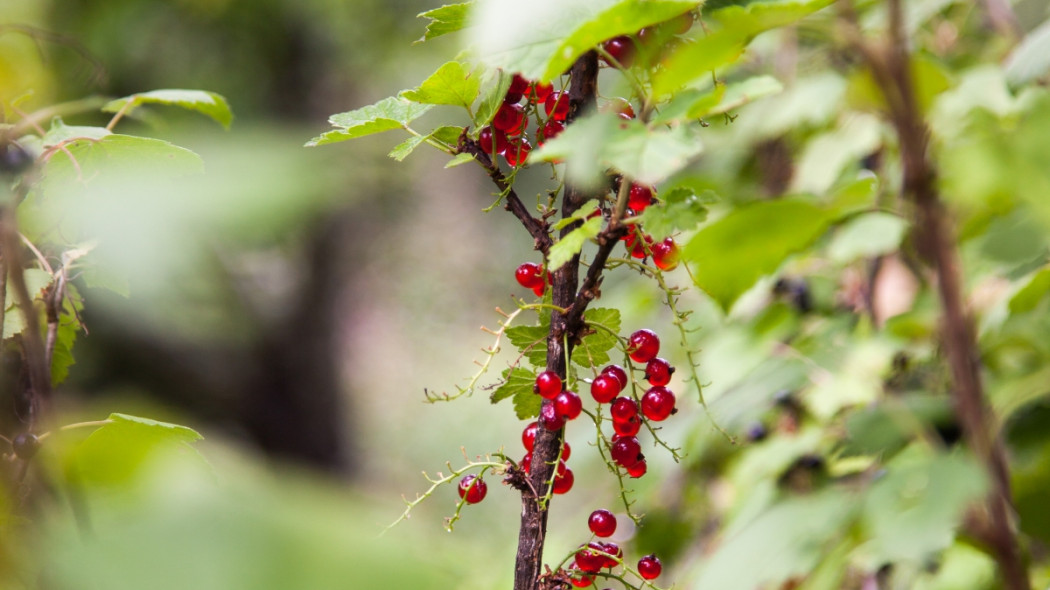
628	427
550	419
757	432
485	140
602	523
626	451
621	49
623	409
649	567
590	558
643	345
604	388
25	445
509	119
557	105
518	86
472	489
14	159
666	254
658	403
539	92
563	482
639	197
618	372
568	405
528	436
658	371
517	151
529	274
638	469
548	384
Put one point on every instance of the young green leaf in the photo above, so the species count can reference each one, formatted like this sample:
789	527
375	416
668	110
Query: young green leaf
385	115
531	342
570	245
118	451
403	149
493	98
444	20
682	210
594	348
452	84
208	103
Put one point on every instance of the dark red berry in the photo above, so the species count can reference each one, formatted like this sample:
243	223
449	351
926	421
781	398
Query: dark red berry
614	551
485	140
568	405
539	92
681	23
628	427
643	345
604	388
666	254
566	451
509	119
518	86
638	469
626	451
623	408
639	197
590	558
551	130
517	151
550	419
621	49
528	436
602	523
623	108
557	105
548	384
539	290
658	371
472	489
658	404
563	482
618	372
526	462
581	580
649	567
25	445
639	247
529	274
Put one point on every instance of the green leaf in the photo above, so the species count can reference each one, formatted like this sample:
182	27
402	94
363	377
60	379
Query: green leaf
118	451
681	210
207	103
580	214
747	91
385	115
447	134
594	348
828	154
62	355
459	160
866	236
571	243
447	19
1030	60
60	132
493	98
1029	296
531	341
527	405
452	84
403	149
515	380
751	242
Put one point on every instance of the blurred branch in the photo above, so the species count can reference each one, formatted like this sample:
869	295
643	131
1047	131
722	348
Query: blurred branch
37	34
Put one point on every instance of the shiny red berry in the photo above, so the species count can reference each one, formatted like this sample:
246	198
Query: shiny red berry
528	436
509	119
649	567
472	489
658	403
658	371
590	558
604	388
628	427
568	405
548	384
550	419
638	469
626	451
517	151
621	49
602	523
563	482
529	274
517	89
618	372
557	105
539	92
639	197
581	580
526	462
623	408
615	554
639	249
551	130
643	345
566	451
539	289
486	137
666	254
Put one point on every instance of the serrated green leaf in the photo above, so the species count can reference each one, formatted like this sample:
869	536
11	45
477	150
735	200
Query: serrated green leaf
493	98
403	149
459	160
60	132
444	20
517	384
208	103
452	84
62	354
751	242
594	348
527	405
447	134
571	243
681	210
117	452
530	341
386	115
141	156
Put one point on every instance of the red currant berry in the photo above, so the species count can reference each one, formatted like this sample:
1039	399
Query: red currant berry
550	419
563	482
639	197
681	23
518	86
658	404
602	523
539	92
509	118
551	130
486	137
539	290
526	462
626	451
638	250
557	105
643	345
623	409
568	405
25	445
528	436
666	254
658	371
472	489
580	580
604	388
517	151
529	274
548	384
623	108
649	567
628	427
621	49
618	372
614	550
566	451
638	469
589	558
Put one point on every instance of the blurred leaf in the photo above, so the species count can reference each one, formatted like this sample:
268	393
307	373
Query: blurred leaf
808	101
452	84
1029	296
492	99
929	76
749	90
459	160
885	428
444	20
828	154
751	242
60	132
1030	60
117	452
386	115
403	149
855	196
121	154
62	354
982	87
580	215
689	105
681	210
1011	395
867	236
208	103
571	243
593	350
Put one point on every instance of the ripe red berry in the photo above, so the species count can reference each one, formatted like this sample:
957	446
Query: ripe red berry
638	469
626	451
548	384
618	372
509	119
518	86
539	92
550	130
602	523
581	580
486	137
517	151
539	290
621	49
566	450
528	436
666	254
529	274
643	345
589	558
526	462
557	105
649	567
604	388
658	371
568	405
628	427
550	419
639	247
639	197
658	403
472	489
563	481
623	409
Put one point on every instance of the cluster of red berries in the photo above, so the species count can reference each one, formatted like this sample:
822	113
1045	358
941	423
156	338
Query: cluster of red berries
507	136
639	244
624	49
598	555
532	276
